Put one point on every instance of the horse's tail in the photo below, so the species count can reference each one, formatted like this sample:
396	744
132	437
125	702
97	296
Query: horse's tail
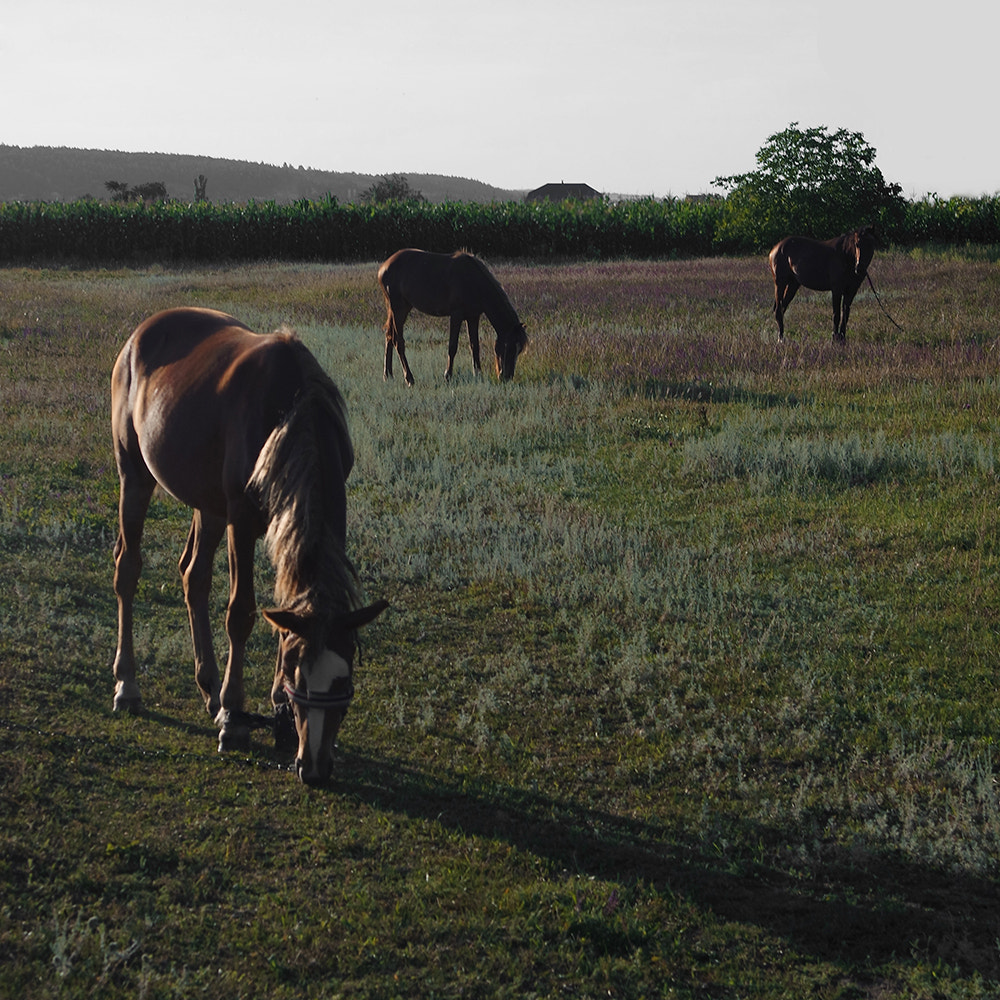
777	256
777	260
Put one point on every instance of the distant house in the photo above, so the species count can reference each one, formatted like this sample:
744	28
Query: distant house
562	192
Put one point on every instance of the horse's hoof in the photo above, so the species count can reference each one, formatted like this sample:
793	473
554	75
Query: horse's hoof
234	739
234	731
127	698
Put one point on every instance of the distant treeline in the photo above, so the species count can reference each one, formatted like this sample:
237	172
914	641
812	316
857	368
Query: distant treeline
92	232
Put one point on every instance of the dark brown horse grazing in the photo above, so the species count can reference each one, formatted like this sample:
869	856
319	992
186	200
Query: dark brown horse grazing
837	265
457	285
249	431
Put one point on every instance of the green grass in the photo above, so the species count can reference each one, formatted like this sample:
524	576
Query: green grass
687	687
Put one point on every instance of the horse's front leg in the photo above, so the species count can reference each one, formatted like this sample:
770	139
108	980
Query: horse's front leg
136	492
848	300
234	724
454	328
286	739
473	325
844	316
839	327
196	577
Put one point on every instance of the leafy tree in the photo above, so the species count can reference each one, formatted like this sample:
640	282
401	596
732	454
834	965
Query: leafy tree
808	181
118	190
392	187
150	191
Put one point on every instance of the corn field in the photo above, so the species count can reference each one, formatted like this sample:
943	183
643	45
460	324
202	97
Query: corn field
88	232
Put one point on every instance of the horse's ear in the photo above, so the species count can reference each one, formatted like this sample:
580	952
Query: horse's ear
362	616
286	621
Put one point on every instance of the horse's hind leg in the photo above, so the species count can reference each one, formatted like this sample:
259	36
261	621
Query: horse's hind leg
196	576
390	340
397	313
779	312
784	292
136	490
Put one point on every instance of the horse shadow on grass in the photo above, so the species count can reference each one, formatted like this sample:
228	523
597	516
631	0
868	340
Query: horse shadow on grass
865	911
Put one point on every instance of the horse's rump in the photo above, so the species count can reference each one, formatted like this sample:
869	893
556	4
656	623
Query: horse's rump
198	393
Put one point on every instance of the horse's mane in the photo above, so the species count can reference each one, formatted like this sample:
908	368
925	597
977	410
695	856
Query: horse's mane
298	480
848	242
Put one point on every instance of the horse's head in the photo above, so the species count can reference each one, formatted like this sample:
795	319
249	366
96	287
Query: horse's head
863	247
508	349
315	674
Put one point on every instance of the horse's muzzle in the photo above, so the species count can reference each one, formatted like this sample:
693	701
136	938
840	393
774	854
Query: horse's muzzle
316	774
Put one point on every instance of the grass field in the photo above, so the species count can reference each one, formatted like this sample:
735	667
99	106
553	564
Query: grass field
688	687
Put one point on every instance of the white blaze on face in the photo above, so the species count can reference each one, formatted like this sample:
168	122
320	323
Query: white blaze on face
329	667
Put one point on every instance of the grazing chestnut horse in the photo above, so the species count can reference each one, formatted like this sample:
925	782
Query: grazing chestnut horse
837	265
249	431
457	285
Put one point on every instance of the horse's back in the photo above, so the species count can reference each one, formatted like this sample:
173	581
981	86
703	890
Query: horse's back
423	265
813	263
788	249
438	284
169	335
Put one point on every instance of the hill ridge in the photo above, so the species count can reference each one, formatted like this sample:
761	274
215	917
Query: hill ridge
63	173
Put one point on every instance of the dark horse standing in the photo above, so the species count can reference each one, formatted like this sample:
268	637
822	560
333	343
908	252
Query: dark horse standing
249	431
837	265
456	285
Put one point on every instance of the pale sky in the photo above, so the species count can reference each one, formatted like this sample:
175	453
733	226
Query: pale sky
633	97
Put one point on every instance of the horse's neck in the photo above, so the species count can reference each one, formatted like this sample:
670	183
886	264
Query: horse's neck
500	312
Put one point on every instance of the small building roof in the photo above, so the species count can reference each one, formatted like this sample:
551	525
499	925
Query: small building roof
562	192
